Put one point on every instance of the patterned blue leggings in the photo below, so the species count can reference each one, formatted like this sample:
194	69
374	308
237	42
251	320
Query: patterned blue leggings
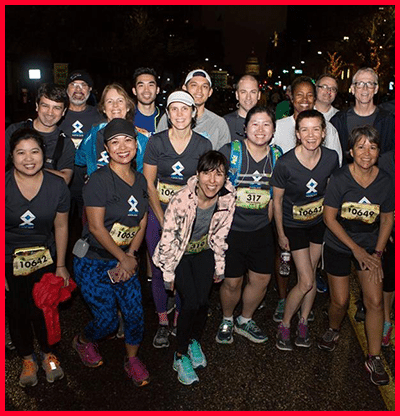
102	297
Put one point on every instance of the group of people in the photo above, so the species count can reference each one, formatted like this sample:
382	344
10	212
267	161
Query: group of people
212	198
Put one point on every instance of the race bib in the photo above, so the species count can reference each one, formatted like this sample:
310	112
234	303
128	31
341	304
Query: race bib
123	235
195	247
362	212
28	260
309	211
252	198
166	191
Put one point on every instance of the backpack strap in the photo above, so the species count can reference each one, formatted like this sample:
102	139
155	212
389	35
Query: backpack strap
57	151
276	153
235	161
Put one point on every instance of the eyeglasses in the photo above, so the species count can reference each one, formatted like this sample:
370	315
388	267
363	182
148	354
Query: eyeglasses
83	86
361	84
327	88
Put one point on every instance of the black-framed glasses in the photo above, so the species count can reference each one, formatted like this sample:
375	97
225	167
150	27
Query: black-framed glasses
361	84
327	88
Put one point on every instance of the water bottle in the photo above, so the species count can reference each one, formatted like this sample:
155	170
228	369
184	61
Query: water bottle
284	267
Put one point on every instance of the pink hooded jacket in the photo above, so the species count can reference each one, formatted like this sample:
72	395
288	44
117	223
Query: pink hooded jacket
179	218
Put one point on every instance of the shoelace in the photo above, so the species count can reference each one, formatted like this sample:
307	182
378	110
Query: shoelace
195	348
252	325
329	336
303	329
51	358
226	325
136	368
29	368
163	332
285	332
377	364
187	365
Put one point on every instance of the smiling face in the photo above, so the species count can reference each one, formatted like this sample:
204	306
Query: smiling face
247	94
210	183
122	149
180	115
115	105
326	90
146	89
200	89
49	113
303	98
78	92
364	95
364	153
310	133
259	129
28	157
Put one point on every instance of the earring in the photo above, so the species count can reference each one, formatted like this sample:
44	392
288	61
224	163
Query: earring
237	105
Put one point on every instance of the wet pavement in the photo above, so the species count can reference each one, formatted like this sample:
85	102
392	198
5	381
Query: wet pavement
240	376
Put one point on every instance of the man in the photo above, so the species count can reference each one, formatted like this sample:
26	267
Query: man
208	124
327	88
364	86
145	89
248	94
51	105
284	108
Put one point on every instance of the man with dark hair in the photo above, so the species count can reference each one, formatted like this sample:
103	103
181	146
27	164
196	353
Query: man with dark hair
247	93
208	124
327	88
145	89
364	86
51	104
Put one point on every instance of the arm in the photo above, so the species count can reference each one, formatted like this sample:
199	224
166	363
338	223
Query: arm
278	213
333	142
66	174
61	238
150	173
95	216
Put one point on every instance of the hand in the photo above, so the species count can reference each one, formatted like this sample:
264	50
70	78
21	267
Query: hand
218	278
63	272
367	261
169	285
284	243
376	274
129	264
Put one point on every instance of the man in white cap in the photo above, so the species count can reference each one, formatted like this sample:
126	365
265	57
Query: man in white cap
208	124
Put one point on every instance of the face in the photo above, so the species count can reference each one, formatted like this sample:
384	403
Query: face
211	182
122	149
28	157
364	95
303	98
78	92
115	105
180	115
310	133
49	112
247	94
365	153
146	89
200	89
260	129
326	90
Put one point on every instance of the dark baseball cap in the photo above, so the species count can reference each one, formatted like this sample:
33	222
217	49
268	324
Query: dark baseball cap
119	127
80	75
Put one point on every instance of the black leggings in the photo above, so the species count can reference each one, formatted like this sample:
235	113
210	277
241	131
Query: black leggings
22	312
193	282
388	265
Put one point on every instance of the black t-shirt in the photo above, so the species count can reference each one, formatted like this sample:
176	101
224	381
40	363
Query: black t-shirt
236	125
358	208
125	205
253	191
354	120
304	188
173	168
30	223
66	160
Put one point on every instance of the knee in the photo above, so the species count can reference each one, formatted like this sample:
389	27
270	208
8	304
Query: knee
305	284
340	302
373	303
231	286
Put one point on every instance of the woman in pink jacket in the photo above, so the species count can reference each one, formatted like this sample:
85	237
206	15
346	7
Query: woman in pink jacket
192	251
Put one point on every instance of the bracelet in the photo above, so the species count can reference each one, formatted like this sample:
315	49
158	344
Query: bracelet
378	253
60	266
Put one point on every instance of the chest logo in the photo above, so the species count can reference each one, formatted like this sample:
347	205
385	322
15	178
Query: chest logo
364	200
132	201
178	168
104	158
257	176
311	185
77	125
27	220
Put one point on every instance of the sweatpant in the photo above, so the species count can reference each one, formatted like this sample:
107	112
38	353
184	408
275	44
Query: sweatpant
102	297
25	319
193	282
160	296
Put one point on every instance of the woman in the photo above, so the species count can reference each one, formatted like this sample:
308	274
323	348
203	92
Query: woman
115	199
36	201
170	160
299	182
192	250
359	214
114	103
250	239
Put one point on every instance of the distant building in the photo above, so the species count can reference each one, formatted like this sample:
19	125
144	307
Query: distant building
252	65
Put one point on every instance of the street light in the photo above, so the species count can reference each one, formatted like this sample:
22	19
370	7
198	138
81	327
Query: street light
206	59
345	38
302	62
34	74
319	53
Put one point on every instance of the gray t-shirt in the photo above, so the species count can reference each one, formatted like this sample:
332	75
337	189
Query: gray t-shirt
354	120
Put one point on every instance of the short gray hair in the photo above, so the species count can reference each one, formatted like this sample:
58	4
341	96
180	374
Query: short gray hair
365	69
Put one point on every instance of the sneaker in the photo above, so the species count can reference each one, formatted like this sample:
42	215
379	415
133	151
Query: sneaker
88	353
52	368
360	313
196	355
280	309
161	338
387	332
311	316
9	344
377	372
322	285
251	331
28	375
262	305
283	338
136	371
186	373
225	331
329	340
174	331
303	337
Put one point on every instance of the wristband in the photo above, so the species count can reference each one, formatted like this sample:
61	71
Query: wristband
378	253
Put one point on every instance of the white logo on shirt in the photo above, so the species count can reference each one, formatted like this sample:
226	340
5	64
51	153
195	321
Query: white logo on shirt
104	158
178	168
132	201
311	185
78	127
364	200
27	217
257	176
